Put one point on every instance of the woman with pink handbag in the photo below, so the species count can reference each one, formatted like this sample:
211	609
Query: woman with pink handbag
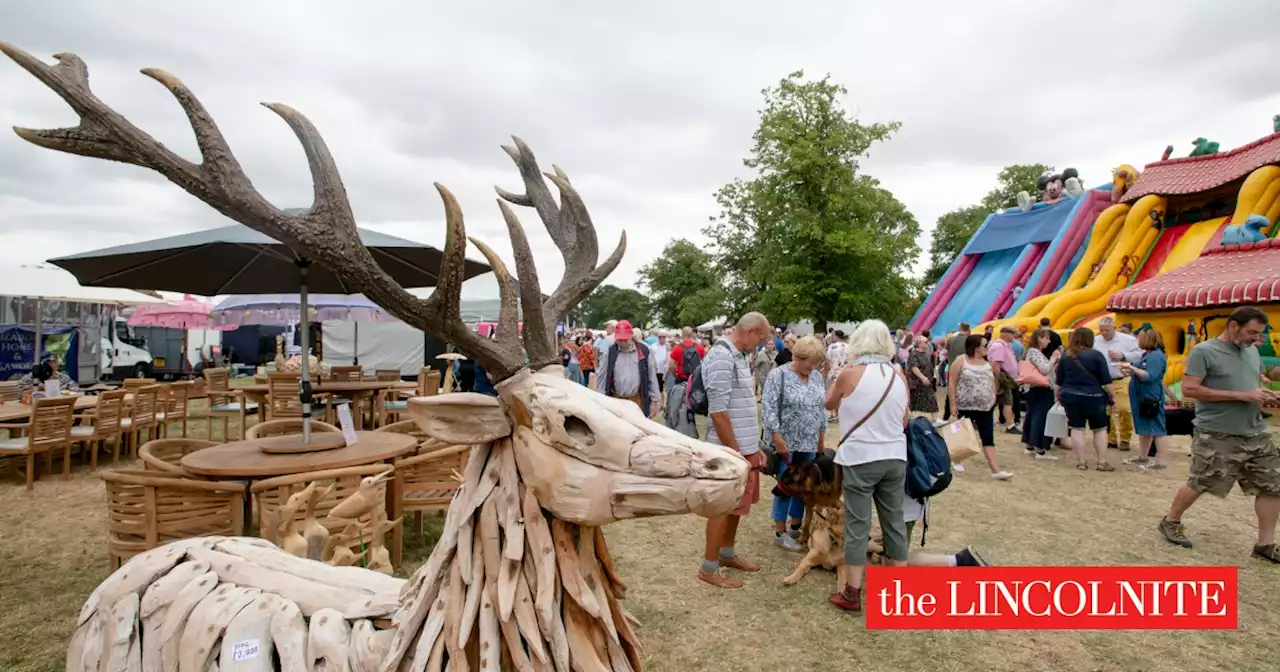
1034	372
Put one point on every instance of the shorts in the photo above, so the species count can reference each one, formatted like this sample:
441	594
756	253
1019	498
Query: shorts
752	493
985	423
1219	461
1004	397
1081	412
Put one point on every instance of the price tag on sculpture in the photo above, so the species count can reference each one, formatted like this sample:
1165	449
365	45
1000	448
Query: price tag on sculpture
348	426
246	650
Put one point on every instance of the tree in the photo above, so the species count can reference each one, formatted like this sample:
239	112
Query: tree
955	228
608	302
810	236
684	289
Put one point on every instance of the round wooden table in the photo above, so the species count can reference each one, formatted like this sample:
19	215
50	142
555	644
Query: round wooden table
246	460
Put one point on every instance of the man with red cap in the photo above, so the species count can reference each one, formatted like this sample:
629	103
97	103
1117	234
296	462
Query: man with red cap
628	371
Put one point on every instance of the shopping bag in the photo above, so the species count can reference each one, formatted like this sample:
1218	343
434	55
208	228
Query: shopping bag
1055	425
962	440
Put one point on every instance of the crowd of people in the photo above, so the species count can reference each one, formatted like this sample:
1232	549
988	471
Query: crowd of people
771	391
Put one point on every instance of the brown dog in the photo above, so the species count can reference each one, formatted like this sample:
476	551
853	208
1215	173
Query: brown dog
816	483
826	546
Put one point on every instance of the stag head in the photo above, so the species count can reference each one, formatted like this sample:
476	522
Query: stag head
589	459
327	230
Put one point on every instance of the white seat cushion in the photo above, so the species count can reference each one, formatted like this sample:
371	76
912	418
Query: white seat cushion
19	444
126	423
82	430
160	417
233	408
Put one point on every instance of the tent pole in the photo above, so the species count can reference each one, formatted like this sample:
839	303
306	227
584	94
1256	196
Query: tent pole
39	329
304	384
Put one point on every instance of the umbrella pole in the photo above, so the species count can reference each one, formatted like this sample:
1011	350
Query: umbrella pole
304	384
355	349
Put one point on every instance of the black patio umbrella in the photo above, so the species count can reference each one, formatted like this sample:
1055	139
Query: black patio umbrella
238	260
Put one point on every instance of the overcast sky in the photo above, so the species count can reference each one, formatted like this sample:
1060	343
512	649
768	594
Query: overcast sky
649	107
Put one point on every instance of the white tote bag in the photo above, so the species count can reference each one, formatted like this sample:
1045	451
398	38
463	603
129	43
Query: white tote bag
1055	426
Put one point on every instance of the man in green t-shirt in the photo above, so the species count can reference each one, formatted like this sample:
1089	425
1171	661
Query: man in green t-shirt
1232	443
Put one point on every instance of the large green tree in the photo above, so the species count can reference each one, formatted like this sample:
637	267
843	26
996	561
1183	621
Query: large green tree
955	228
810	236
608	302
683	287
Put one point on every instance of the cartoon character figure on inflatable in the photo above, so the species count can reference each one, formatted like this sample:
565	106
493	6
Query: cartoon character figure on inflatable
1050	189
1248	232
1122	178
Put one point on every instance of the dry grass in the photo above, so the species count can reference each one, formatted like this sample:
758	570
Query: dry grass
53	553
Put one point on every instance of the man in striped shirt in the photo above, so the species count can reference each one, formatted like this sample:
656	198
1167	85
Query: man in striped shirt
732	423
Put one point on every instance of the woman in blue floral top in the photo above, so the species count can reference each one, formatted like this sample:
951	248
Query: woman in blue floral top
794	397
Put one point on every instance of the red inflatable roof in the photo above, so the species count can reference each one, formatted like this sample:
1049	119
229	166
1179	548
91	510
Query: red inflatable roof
1193	174
1225	276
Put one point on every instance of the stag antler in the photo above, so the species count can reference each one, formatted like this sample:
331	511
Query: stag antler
327	231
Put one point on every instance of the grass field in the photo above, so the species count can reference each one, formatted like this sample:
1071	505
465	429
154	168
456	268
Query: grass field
53	550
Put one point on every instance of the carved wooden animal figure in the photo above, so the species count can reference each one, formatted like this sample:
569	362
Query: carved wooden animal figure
379	556
367	497
521	577
316	535
288	534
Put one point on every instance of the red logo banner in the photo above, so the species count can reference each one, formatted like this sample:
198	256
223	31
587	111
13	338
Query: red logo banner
1051	598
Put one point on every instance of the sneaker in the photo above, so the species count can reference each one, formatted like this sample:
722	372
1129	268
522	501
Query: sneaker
1045	456
1269	552
786	543
1013	429
1124	447
736	562
1002	475
1028	452
795	533
1137	461
958	468
1154	466
1175	533
850	600
967	557
719	580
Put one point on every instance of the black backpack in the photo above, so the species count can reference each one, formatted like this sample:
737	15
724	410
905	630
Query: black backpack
695	398
690	361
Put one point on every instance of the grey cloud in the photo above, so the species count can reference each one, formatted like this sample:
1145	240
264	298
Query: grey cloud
650	107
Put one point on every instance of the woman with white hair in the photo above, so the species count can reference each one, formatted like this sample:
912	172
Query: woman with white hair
871	399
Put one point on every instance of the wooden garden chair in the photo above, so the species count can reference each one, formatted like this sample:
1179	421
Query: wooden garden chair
176	406
282	396
224	403
344	374
408	428
166	455
427	481
105	423
143	416
132	384
147	509
47	431
388	406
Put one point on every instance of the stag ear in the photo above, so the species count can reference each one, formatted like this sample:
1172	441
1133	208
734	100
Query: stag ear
461	418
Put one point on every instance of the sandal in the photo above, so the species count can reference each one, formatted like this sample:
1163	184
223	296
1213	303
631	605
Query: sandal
1105	466
1082	466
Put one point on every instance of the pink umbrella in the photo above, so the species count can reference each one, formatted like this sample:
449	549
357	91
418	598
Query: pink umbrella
189	313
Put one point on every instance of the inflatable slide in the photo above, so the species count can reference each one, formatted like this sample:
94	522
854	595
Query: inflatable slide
1014	256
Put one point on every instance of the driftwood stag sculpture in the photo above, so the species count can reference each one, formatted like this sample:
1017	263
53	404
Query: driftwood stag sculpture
522	577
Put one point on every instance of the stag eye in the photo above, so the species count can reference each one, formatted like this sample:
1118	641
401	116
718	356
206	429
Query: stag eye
579	429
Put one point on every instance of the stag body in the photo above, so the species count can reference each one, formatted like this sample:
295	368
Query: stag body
521	577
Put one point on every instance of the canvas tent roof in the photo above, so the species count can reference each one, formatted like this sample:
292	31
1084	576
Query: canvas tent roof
54	284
